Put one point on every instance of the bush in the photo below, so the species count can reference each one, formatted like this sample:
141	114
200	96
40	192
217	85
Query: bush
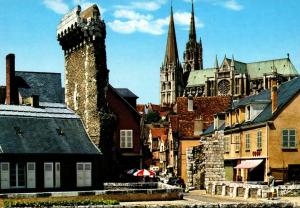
51	203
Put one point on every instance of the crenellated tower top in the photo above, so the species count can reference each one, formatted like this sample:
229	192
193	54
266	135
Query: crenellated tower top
77	28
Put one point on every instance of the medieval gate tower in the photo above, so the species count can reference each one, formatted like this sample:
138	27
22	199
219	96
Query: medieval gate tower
82	37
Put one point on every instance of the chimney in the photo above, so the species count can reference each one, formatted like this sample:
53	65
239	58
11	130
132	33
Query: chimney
12	97
274	94
198	126
190	103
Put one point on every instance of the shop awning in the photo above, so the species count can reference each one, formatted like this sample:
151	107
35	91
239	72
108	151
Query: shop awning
248	164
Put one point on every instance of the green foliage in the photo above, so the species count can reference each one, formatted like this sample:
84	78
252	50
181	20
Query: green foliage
152	117
51	203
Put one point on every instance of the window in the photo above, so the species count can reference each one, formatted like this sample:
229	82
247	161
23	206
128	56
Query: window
226	144
126	139
237	143
289	138
84	174
247	142
17	175
259	145
48	175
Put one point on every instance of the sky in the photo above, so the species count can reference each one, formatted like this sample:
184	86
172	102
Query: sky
251	30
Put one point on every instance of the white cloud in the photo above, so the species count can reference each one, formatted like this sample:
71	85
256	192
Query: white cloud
233	5
184	19
132	15
144	5
228	4
136	22
58	6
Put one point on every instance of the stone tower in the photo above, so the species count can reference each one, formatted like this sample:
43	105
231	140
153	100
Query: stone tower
171	85
192	56
82	37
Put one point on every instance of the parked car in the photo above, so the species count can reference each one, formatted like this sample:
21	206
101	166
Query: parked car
176	181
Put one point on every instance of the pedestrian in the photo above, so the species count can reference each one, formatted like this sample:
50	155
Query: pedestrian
271	185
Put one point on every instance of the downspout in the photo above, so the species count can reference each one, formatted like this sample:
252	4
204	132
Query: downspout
267	158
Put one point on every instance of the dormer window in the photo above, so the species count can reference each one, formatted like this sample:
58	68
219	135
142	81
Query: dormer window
248	113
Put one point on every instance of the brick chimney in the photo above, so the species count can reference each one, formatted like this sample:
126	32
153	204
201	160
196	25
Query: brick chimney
12	97
274	94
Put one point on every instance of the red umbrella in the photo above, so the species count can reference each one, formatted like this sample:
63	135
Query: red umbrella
144	172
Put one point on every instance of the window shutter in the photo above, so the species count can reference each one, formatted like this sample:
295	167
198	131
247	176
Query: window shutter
80	175
48	175
57	175
31	183
122	138
129	138
88	174
5	183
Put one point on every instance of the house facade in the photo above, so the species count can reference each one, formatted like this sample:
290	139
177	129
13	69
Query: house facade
127	143
44	145
260	135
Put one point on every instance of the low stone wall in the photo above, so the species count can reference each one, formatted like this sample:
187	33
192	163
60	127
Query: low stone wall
250	190
132	192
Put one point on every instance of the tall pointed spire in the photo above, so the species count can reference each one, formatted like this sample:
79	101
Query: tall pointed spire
192	34
216	62
171	48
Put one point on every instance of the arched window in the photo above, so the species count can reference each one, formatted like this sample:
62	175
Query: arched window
173	76
166	77
163	86
169	85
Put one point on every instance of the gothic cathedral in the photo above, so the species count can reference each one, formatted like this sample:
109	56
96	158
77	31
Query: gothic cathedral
230	78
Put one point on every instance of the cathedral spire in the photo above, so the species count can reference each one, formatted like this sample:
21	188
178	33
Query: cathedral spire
192	35
171	48
216	62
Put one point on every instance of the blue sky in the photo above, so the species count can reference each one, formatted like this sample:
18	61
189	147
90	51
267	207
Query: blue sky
252	30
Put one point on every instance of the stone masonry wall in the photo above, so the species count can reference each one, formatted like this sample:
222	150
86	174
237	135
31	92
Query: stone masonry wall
195	166
81	90
214	159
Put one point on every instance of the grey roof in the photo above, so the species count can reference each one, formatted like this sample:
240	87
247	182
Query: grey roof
47	85
211	129
286	92
52	129
126	93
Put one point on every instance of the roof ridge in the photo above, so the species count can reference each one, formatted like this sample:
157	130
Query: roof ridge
278	59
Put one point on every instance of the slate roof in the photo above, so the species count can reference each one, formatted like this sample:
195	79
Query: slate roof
255	70
198	77
286	92
47	85
126	93
50	129
283	66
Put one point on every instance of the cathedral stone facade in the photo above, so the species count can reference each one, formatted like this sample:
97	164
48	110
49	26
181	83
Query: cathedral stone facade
231	77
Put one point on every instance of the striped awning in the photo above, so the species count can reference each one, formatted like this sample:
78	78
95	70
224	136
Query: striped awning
249	164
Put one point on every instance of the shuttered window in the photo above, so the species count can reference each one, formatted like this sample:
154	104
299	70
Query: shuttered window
126	138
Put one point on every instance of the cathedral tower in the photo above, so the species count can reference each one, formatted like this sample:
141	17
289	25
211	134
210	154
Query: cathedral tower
192	57
171	70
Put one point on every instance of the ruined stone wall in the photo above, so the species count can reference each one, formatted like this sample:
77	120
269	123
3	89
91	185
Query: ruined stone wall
195	167
214	158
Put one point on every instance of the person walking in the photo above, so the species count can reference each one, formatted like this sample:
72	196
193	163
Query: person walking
271	184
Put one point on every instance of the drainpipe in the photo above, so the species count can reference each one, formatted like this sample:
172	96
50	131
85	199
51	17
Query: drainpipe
267	158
